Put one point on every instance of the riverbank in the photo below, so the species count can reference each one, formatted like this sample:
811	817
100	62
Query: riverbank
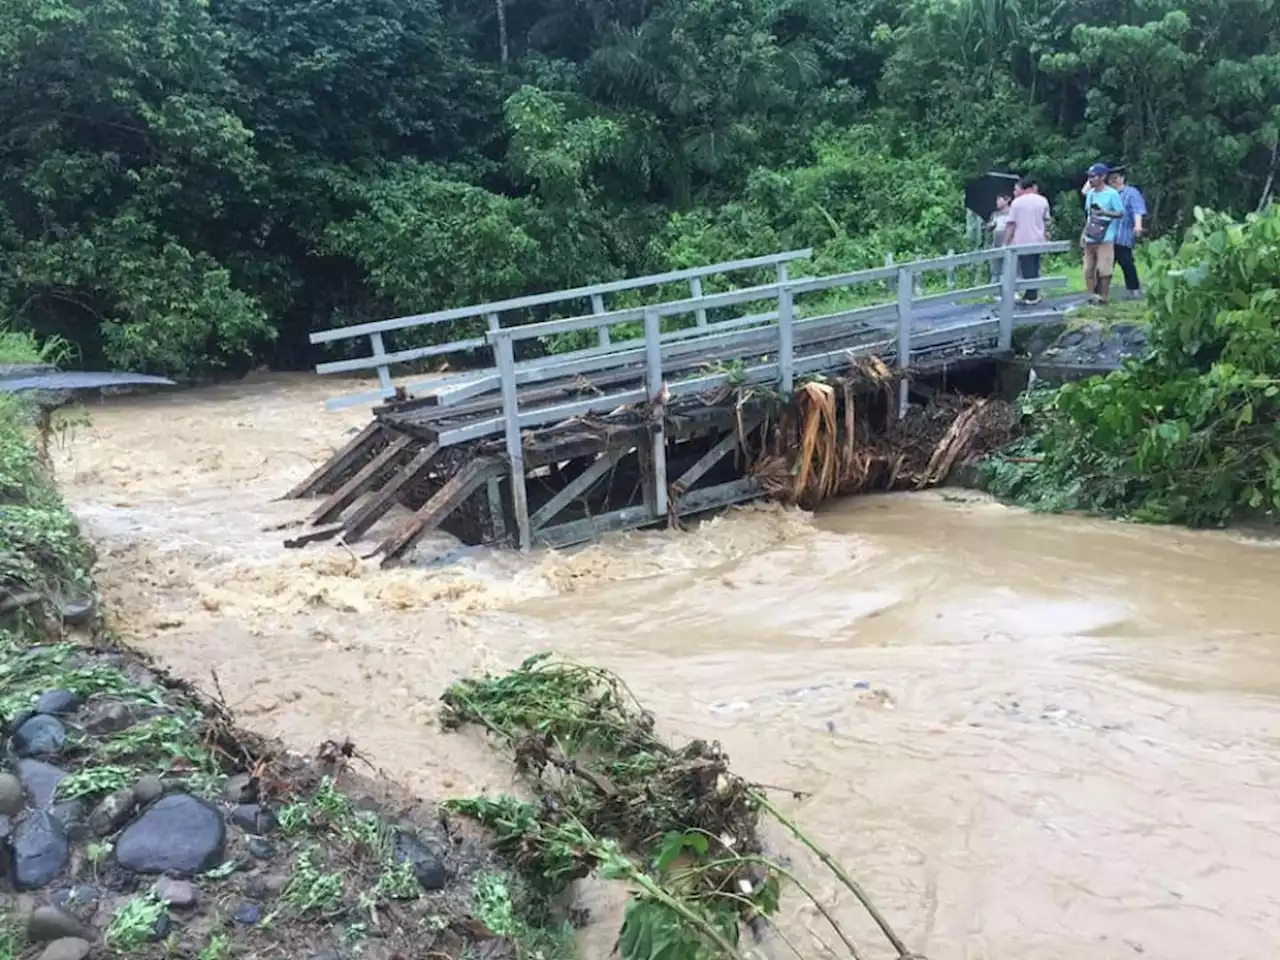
137	818
960	689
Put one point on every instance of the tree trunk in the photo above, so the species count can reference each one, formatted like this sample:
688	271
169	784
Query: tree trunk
502	30
1271	176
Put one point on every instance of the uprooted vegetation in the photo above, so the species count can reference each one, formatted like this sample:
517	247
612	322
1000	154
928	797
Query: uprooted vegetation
1189	433
843	437
612	798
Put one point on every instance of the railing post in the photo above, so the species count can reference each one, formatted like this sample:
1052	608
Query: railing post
1008	290
784	274
695	291
951	271
384	373
888	262
786	349
906	283
515	444
653	363
597	307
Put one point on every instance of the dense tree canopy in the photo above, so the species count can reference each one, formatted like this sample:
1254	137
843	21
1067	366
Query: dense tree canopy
187	185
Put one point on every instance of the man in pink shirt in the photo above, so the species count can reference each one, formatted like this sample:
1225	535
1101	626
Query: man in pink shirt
1028	224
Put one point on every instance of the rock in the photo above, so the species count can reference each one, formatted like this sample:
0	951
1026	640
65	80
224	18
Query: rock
74	817
108	716
327	955
251	818
164	923
80	901
179	894
148	789
40	780
40	736
18	719
247	913
77	611
40	851
262	849
6	828
67	948
267	886
57	702
52	923
427	866
177	834
112	812
241	788
12	798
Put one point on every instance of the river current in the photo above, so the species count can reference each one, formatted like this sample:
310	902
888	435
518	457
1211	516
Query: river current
1030	737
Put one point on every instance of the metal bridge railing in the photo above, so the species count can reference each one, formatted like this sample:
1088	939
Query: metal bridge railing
381	360
797	346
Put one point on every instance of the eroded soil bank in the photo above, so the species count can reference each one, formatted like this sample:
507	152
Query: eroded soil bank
1032	737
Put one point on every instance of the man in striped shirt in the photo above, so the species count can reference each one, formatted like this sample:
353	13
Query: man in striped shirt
1130	228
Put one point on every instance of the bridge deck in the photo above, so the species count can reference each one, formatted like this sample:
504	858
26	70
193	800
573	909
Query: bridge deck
481	443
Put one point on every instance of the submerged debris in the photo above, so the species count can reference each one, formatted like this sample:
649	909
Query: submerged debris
675	823
843	437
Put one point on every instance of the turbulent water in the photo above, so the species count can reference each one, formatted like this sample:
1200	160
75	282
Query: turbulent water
1033	738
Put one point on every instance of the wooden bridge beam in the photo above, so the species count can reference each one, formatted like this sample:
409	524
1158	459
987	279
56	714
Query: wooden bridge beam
364	478
320	478
577	487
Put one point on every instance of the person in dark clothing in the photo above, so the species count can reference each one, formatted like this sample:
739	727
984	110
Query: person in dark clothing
1130	229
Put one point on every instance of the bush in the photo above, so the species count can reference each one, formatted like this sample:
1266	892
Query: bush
1190	434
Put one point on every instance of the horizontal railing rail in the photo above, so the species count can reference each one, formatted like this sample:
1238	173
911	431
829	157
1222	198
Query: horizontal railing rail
381	360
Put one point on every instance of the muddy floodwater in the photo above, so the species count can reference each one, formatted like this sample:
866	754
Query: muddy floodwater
1032	738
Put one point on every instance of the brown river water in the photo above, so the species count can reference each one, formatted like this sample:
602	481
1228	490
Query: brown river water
1032	738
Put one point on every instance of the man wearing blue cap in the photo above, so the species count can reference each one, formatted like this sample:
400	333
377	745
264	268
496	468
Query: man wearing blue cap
1103	211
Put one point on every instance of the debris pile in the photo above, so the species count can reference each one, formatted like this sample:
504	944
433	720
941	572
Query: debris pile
675	823
844	437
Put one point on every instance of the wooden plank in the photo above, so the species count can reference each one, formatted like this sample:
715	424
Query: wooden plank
341	498
720	496
497	514
709	459
337	464
313	534
432	513
591	528
368	513
577	487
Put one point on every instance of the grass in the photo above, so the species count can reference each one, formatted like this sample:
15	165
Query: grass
218	948
11	939
312	890
135	923
94	781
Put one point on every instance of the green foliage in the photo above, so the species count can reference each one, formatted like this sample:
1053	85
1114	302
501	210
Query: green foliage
653	931
192	187
311	889
674	824
92	781
218	948
134	923
1190	434
12	939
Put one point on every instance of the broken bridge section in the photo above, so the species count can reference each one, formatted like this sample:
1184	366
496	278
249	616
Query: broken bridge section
659	411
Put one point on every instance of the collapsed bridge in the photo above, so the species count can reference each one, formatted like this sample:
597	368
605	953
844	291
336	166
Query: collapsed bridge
646	424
